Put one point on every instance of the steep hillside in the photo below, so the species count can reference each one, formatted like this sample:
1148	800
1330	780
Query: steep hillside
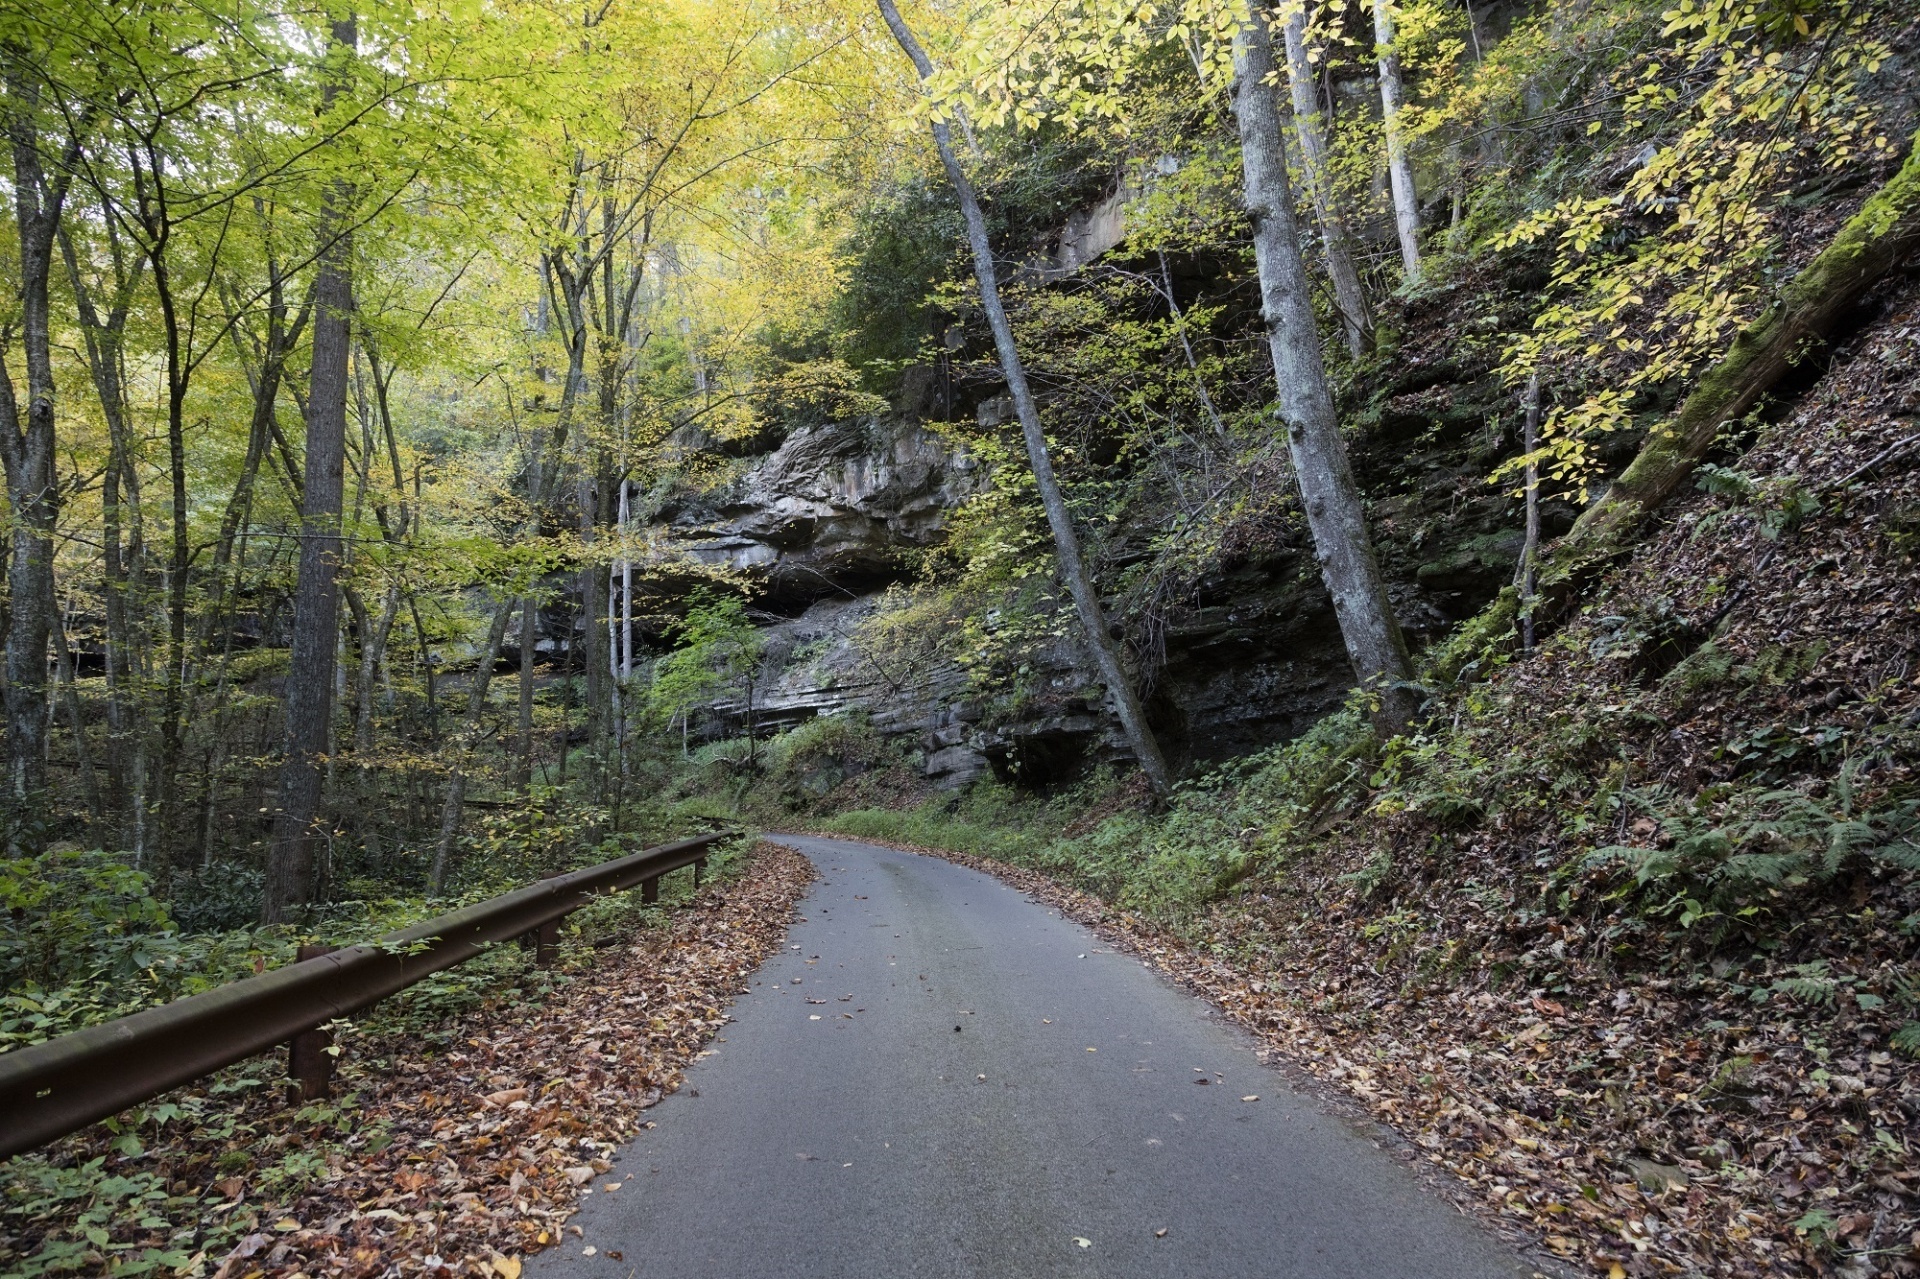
1627	936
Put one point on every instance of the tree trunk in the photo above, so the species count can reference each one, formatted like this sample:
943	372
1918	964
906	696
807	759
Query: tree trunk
1878	238
316	609
106	361
1530	549
626	619
593	606
1335	514
373	644
70	699
454	803
1336	244
1066	541
523	734
280	341
27	442
1406	203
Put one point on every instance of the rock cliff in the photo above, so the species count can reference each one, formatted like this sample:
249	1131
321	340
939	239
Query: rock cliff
832	511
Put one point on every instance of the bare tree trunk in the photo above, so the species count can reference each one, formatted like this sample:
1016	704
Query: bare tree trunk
27	437
1335	514
523	736
1336	244
280	341
373	645
1066	542
150	173
70	699
106	360
1530	549
1406	203
593	605
626	615
316	609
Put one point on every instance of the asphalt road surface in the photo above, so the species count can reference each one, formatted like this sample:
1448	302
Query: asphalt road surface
941	1078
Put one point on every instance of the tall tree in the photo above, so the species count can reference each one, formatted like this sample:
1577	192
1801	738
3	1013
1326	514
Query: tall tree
1335	241
1406	203
1066	541
27	431
316	609
1335	514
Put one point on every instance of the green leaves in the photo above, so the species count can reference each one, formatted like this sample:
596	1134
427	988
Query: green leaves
1732	856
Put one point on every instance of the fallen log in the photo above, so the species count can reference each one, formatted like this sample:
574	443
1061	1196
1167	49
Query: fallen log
1874	242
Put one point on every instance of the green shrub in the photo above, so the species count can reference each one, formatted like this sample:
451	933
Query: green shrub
807	762
1726	857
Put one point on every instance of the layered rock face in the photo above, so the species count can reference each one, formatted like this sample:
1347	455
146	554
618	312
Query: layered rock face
830	512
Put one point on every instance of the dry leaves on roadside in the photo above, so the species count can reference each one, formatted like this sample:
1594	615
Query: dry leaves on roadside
482	1151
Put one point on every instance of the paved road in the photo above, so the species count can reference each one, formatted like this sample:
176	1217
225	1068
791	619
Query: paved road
940	1078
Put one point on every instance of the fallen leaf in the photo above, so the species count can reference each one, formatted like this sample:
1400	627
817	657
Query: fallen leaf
1160	1233
1251	1097
588	1251
1082	1242
506	1267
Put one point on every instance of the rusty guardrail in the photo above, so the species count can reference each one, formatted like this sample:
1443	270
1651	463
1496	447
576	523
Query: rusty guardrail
61	1086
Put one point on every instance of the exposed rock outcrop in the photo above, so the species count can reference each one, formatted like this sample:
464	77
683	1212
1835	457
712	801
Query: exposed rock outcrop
830	512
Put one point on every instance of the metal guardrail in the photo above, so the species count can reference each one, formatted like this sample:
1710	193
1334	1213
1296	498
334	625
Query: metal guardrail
61	1086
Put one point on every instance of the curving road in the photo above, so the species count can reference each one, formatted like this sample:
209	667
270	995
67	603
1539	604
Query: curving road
941	1078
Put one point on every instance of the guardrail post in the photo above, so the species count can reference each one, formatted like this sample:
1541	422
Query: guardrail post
546	943
699	868
309	1064
650	889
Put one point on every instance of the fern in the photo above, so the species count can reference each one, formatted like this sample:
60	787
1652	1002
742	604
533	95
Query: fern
1810	982
1745	870
1724	482
1907	1039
